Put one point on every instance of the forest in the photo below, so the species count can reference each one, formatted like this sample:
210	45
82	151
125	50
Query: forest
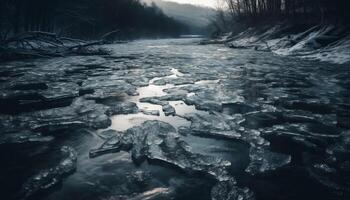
256	11
85	19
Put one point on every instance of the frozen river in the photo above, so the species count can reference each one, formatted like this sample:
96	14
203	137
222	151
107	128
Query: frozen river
171	119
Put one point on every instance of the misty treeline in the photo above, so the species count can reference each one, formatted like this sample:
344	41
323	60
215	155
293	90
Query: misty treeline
86	19
256	11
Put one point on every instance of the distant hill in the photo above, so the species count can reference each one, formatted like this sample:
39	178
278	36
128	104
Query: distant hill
195	16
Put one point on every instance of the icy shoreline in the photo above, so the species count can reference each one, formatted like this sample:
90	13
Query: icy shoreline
328	43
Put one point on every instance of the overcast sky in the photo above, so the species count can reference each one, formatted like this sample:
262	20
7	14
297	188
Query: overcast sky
209	3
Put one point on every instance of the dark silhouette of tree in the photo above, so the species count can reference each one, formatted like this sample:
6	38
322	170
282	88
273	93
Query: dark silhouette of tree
258	10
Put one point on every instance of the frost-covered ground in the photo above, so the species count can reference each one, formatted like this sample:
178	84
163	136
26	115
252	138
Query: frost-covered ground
169	119
322	43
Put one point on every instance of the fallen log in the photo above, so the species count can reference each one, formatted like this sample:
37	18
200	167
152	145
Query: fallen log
39	44
111	36
100	42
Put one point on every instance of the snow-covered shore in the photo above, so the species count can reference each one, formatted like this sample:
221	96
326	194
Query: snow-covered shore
322	42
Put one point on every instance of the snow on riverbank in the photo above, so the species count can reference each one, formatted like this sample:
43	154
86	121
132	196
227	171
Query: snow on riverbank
325	43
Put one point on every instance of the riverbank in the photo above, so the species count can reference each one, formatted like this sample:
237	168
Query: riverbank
329	43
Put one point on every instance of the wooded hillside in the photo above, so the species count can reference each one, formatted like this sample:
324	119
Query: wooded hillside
85	19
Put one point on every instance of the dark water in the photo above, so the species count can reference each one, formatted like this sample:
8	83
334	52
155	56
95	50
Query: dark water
292	107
